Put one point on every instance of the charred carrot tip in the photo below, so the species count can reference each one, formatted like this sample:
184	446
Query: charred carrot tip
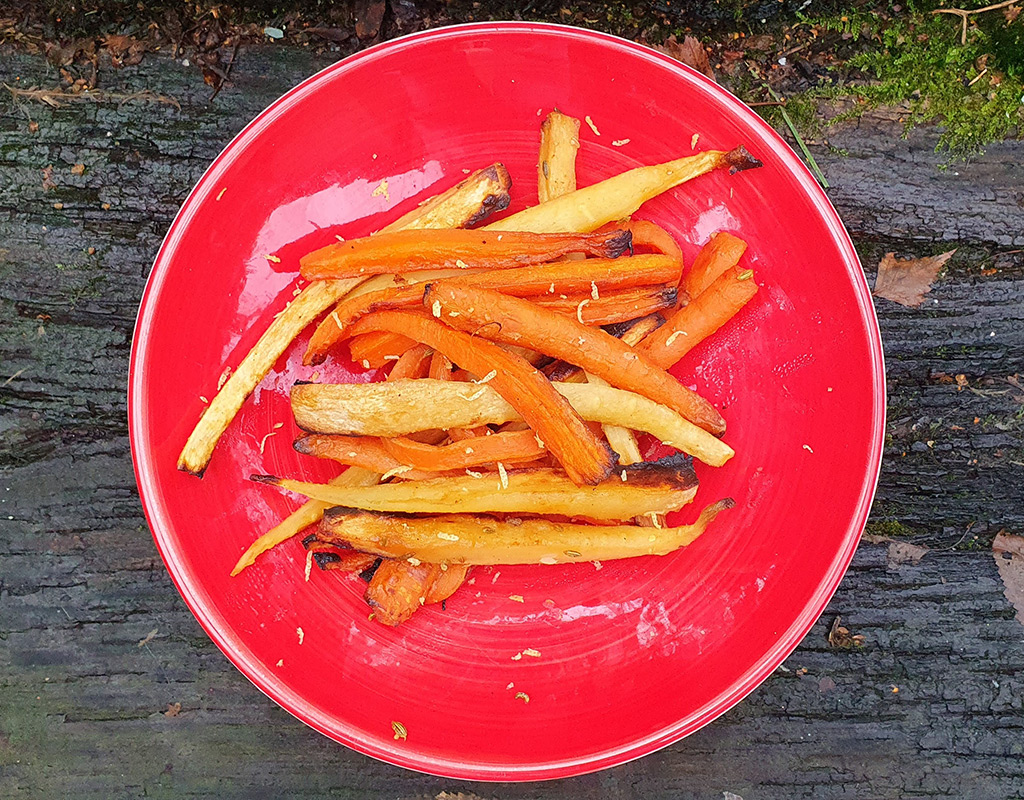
272	480
739	159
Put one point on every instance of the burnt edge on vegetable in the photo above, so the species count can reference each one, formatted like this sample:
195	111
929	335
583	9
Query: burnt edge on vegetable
739	159
324	557
679	465
494	202
619	244
368	573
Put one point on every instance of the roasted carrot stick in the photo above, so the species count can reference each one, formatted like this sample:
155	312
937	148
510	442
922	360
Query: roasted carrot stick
332	557
440	367
398	588
378	349
608	309
367	452
407	251
589	208
649	234
721	252
702	317
631	333
585	459
512	320
511	447
461	434
413	363
447	582
309	513
563	277
465	204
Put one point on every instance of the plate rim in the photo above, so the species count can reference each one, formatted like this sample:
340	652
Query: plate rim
259	674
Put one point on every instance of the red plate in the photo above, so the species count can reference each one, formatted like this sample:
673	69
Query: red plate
633	656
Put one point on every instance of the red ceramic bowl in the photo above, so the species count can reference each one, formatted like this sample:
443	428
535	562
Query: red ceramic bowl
635	655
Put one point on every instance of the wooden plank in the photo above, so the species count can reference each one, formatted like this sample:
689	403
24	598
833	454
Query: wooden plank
81	703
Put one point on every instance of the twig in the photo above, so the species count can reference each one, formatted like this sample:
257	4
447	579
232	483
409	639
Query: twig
53	97
15	375
977	77
964	14
227	71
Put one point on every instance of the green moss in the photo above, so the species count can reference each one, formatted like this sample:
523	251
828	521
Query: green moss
890	528
916	60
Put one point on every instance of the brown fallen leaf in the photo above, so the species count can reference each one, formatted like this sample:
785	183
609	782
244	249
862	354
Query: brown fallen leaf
369	16
690	52
1011	13
840	637
457	796
125	51
78	169
1008	551
173	709
48	178
904	553
33	126
907	281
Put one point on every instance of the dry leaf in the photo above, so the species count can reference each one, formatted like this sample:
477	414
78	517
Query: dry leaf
369	16
457	796
125	51
907	281
690	52
1011	13
78	169
904	553
1009	554
838	636
48	178
173	709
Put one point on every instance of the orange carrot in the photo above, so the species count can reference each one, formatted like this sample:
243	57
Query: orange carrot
511	320
398	588
340	558
608	309
719	254
447	582
512	447
461	434
585	458
649	234
407	251
440	367
413	363
563	277
358	451
631	333
691	325
378	349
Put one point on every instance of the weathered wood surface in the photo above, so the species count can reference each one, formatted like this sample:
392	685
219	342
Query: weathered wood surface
81	703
